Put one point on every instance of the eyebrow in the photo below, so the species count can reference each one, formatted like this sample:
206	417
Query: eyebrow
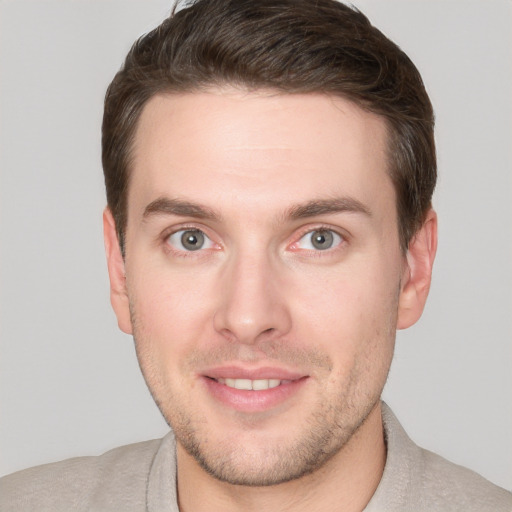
182	208
178	207
327	206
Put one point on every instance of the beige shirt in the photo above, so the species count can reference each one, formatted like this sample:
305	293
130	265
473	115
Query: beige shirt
142	477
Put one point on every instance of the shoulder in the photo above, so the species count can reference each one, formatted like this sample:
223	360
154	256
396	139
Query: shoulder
419	480
454	487
83	483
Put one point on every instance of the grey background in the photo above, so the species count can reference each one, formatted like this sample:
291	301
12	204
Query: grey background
69	380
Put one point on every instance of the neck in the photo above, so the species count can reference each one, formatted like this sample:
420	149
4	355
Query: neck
345	483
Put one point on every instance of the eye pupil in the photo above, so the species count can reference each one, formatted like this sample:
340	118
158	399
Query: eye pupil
322	239
192	240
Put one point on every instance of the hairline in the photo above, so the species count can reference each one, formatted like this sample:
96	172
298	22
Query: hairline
217	85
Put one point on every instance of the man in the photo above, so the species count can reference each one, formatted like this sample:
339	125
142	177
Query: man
269	170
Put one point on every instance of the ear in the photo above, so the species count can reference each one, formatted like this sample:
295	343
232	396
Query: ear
116	272
417	273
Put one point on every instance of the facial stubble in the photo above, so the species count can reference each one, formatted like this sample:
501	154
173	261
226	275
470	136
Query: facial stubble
323	433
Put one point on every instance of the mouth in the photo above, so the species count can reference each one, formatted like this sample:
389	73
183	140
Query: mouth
253	391
252	385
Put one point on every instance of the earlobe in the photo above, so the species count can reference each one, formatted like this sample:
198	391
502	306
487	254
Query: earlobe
417	273
116	272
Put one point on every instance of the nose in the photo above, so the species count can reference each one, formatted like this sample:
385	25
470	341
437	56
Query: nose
252	303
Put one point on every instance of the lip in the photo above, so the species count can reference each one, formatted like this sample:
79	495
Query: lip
239	372
250	401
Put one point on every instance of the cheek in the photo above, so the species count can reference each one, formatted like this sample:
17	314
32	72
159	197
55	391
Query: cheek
167	322
170	313
347	310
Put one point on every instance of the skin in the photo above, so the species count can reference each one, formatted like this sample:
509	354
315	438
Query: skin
258	173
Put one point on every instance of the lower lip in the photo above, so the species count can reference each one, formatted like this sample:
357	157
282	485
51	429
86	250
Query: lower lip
253	401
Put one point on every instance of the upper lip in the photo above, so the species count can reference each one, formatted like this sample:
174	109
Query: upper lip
240	372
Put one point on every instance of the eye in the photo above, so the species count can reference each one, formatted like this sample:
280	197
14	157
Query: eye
319	240
189	240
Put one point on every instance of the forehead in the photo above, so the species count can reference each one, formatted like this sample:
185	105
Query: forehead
227	146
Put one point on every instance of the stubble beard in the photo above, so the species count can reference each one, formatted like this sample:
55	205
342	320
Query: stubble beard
323	437
324	433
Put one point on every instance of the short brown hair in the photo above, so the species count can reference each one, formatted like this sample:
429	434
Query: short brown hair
291	46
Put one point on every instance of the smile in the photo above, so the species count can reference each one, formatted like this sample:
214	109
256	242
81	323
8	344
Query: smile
238	390
254	385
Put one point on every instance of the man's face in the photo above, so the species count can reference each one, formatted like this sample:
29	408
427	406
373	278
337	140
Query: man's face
263	272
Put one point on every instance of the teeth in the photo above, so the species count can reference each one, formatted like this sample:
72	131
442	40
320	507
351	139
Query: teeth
247	384
265	384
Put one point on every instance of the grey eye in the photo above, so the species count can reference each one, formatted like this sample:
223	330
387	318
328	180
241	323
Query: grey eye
189	240
320	240
192	240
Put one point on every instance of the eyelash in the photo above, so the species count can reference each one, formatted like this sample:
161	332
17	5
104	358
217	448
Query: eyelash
307	230
184	253
322	227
